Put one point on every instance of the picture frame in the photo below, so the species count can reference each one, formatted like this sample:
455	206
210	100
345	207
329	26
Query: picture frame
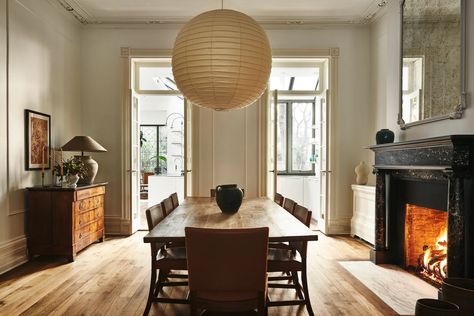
37	138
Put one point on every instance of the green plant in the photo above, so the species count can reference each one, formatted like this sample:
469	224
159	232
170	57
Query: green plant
142	139
149	163
72	165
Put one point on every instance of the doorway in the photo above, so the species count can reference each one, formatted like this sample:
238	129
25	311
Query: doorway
160	137
298	133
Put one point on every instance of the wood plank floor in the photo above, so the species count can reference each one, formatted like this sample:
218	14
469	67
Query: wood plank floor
112	278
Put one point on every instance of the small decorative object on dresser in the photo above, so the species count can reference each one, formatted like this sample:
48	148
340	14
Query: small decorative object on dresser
82	144
63	221
73	169
362	173
363	216
384	136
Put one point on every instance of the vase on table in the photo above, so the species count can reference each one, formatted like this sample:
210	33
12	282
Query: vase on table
229	197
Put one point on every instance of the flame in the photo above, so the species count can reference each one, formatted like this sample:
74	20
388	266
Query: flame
435	269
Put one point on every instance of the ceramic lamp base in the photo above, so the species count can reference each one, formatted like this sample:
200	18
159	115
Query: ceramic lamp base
91	167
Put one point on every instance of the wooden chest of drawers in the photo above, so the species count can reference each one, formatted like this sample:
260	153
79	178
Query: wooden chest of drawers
63	221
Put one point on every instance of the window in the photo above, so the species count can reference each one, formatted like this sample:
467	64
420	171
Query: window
153	140
295	137
296	79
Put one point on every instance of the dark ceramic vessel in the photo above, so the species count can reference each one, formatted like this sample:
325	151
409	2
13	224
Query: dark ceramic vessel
384	136
460	291
229	197
432	307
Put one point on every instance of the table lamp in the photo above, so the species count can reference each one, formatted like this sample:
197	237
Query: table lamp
82	144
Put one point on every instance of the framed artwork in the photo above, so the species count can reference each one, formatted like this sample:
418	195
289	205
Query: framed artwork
37	140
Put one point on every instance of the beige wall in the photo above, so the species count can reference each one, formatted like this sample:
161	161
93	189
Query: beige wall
44	73
228	142
385	51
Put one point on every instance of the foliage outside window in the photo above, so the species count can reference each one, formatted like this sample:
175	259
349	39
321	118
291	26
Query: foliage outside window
296	152
153	149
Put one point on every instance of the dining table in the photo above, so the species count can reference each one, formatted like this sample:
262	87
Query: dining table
203	212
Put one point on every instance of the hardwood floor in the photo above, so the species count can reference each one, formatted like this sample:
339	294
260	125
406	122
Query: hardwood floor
112	278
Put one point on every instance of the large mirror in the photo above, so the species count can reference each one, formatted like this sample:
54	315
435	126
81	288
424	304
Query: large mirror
432	62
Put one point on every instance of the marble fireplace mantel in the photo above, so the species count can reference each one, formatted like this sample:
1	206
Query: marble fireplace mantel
439	173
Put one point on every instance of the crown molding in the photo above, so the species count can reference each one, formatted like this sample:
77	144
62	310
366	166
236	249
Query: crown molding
86	18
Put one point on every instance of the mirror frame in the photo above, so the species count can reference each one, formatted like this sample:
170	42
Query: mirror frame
461	107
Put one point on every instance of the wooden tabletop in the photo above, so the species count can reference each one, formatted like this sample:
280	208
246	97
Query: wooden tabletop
204	213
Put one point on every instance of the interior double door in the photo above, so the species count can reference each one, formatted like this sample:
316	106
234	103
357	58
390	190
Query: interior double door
320	141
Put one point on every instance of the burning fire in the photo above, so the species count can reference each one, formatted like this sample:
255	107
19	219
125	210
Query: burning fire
434	262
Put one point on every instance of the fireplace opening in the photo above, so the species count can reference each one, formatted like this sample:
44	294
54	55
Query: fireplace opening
426	243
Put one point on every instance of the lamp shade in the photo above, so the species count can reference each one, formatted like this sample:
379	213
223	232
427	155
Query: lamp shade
83	143
222	60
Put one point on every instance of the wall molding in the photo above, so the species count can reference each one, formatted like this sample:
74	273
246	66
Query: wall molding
340	226
13	253
116	225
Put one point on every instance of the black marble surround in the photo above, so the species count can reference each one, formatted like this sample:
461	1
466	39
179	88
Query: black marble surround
435	173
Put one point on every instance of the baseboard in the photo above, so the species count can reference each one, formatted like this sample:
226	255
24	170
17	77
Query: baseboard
115	225
339	226
13	253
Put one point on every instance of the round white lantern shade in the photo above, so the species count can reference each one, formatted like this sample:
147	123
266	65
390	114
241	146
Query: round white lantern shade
222	60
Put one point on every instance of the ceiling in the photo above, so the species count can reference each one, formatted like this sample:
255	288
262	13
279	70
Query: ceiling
264	11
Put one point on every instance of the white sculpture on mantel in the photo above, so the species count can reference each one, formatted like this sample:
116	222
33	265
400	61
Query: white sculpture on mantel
362	173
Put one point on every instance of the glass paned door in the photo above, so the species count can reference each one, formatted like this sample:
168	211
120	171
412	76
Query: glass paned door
188	145
302	133
135	164
323	154
272	129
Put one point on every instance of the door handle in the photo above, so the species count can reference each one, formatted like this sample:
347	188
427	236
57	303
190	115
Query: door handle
133	170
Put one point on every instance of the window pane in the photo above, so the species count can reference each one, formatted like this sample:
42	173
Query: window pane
149	148
302	135
156	78
306	83
295	78
280	83
281	137
163	146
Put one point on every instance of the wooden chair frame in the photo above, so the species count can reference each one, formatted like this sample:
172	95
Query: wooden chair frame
165	260
290	268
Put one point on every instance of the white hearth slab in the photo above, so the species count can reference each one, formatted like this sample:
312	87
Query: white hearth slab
397	288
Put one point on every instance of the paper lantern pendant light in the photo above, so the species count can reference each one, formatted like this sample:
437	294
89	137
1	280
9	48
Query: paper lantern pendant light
222	60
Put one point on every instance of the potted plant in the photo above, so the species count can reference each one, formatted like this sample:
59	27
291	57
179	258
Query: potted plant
73	170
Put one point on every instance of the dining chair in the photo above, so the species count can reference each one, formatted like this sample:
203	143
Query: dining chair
213	192
292	259
167	205
278	199
227	269
166	260
174	199
289	205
